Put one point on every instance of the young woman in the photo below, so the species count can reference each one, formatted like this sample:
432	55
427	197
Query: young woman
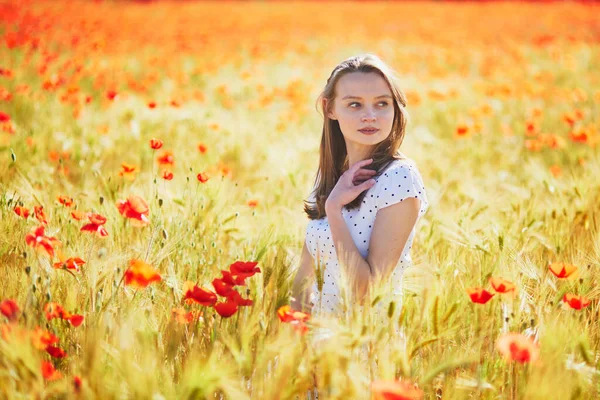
367	196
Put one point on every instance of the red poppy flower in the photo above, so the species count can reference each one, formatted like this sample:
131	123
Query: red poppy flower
562	270
202	148
65	201
222	288
78	215
55	310
156	144
479	295
9	309
4	117
569	118
22	212
136	209
192	293
395	390
555	170
56	352
98	229
72	263
76	320
96	225
55	156
518	347
202	177
224	169
252	203
111	95
244	269
127	168
579	135
502	285
531	128
97	219
182	316
167	175
49	372
40	339
288	314
534	145
40	215
226	309
166	158
127	171
462	130
5	95
233	280
239	300
77	384
42	243
152	105
576	302
140	275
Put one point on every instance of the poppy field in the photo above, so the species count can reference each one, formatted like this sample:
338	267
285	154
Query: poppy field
154	159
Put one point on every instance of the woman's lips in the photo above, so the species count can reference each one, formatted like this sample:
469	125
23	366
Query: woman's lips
369	131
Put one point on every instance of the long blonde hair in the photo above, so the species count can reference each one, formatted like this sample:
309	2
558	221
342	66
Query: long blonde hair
333	155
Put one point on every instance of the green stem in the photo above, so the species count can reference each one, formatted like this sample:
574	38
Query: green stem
113	295
150	243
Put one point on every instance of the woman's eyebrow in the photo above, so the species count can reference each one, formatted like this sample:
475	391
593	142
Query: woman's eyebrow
360	98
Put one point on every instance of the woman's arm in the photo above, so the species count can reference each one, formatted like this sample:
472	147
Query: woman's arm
303	281
348	255
390	233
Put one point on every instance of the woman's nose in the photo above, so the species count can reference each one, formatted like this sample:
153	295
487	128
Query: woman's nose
369	117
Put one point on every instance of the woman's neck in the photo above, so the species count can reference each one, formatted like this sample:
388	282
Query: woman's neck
357	153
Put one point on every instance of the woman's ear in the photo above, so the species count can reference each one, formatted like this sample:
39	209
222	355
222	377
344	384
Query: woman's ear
330	113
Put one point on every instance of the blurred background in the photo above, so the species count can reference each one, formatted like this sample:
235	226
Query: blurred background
504	102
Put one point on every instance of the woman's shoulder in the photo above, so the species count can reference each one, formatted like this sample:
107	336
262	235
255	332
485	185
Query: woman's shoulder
401	179
398	164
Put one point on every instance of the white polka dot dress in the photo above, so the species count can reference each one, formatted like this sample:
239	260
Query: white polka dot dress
399	181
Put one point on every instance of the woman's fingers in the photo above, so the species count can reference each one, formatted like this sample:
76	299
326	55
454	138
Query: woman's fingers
365	185
357	165
358	174
359	179
361	174
362	177
366	172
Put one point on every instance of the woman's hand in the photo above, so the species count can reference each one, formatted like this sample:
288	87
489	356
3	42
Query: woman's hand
352	183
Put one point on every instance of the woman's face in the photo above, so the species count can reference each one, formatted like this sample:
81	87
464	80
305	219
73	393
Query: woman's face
363	101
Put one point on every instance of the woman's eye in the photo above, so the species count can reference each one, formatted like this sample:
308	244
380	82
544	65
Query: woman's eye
382	103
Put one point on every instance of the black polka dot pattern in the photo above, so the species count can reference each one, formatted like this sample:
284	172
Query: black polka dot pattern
398	182
402	181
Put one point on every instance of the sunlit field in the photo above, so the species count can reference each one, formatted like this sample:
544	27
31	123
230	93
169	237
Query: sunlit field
154	159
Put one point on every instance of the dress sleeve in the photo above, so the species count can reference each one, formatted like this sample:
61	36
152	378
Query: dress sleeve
398	183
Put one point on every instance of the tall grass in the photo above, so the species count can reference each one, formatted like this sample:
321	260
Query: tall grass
504	106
